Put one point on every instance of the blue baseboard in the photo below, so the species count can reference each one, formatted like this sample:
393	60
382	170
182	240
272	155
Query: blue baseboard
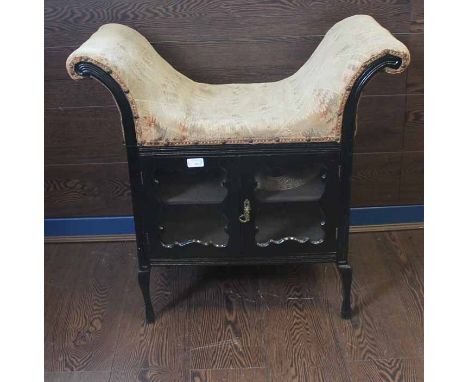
123	225
387	215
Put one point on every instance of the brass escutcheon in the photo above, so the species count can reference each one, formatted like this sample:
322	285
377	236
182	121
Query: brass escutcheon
245	216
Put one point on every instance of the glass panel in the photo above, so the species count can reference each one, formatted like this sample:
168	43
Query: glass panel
292	183
282	222
191	201
287	202
187	224
195	186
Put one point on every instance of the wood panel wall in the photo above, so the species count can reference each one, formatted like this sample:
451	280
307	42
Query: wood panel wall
220	41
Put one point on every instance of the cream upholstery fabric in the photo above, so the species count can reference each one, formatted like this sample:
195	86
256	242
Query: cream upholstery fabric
170	108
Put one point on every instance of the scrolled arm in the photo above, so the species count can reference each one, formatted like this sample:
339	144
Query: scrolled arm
122	52
351	52
354	43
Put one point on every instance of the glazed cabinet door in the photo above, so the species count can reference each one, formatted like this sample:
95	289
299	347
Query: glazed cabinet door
289	204
191	206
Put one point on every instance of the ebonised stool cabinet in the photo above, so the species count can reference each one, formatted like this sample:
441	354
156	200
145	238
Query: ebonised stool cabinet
244	202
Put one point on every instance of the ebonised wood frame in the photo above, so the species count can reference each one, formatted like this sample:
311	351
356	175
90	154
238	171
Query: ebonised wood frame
138	157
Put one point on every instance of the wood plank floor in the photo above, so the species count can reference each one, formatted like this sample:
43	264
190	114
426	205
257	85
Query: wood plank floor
239	324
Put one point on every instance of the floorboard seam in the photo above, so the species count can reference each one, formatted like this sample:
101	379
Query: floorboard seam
264	323
119	334
331	311
231	368
420	358
337	341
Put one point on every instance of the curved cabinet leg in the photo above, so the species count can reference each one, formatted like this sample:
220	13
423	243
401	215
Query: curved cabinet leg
144	282
346	279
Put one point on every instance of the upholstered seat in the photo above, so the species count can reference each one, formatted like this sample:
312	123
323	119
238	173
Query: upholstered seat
170	108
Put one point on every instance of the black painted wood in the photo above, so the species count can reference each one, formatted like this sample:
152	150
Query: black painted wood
184	231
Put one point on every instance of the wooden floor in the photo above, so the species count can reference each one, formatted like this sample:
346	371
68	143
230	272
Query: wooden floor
240	324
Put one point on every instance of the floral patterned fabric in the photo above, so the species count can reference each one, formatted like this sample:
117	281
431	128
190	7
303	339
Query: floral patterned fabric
169	108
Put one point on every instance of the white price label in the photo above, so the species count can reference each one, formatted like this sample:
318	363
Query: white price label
195	162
